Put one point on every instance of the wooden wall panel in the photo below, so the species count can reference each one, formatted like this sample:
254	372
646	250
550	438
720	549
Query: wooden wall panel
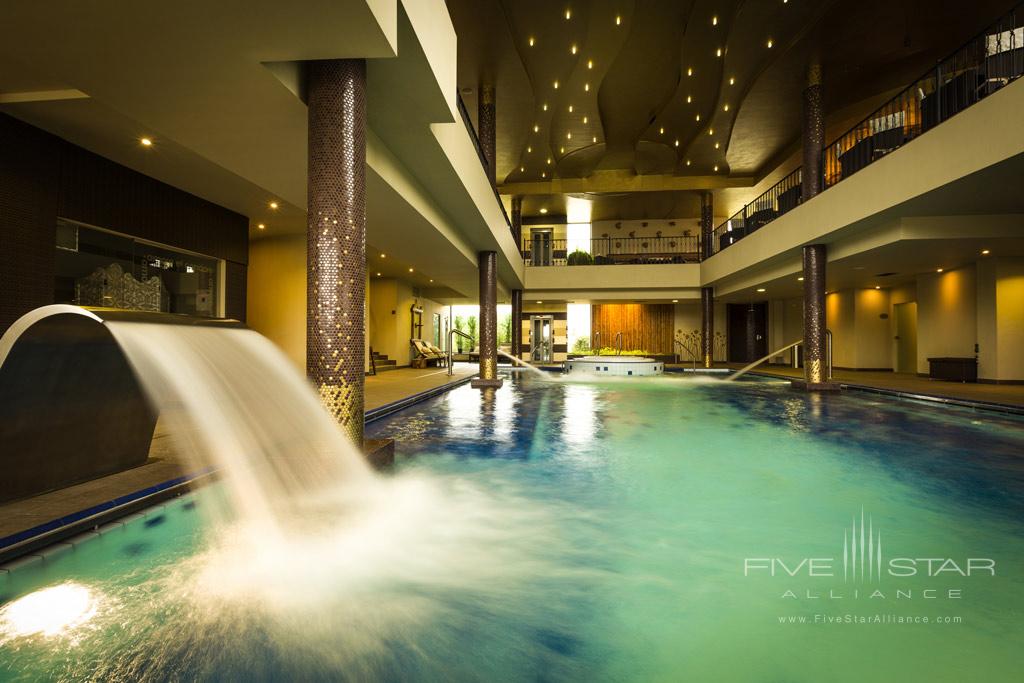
649	327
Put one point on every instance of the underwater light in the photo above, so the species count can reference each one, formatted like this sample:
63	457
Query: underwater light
49	611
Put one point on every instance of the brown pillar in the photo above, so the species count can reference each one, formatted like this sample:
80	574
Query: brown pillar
517	221
517	323
707	228
336	238
488	321
707	327
813	134
815	375
485	122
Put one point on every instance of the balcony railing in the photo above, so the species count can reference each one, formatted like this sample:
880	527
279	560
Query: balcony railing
539	250
983	65
483	159
780	198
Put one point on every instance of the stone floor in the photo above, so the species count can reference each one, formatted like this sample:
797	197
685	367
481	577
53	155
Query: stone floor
1010	394
164	464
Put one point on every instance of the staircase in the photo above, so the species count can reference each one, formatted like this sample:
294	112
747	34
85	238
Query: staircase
382	363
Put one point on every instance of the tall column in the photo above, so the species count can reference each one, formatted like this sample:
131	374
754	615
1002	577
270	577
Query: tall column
707	228
488	321
517	323
813	134
815	375
707	325
336	238
517	221
486	122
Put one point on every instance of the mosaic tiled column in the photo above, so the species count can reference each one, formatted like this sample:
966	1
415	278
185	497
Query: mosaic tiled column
707	212
813	134
707	325
488	321
517	221
486	121
814	256
336	238
517	323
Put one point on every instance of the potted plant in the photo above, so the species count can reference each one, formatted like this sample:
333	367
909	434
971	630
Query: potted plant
579	258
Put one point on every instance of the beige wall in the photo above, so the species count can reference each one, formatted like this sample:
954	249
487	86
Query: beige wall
946	315
872	327
1000	297
390	318
688	318
276	296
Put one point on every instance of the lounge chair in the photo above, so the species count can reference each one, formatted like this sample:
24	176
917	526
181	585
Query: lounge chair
427	354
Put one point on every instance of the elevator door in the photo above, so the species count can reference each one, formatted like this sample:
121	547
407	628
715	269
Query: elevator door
540	247
540	338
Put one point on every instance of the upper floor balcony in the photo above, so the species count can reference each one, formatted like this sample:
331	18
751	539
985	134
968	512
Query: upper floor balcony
541	248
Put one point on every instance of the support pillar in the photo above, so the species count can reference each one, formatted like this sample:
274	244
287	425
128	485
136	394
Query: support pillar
488	321
813	134
486	122
517	221
707	325
517	323
707	228
815	359
336	238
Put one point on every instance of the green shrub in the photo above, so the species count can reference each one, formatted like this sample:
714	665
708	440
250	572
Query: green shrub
581	345
579	258
610	351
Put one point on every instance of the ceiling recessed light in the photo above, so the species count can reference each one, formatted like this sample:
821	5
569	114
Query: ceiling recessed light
536	128
618	19
689	98
545	107
540	302
522	169
543	175
410	270
261	226
711	131
718	52
531	41
698	118
383	255
689	71
799	279
590	63
378	274
878	286
529	150
543	210
561	150
273	205
594	140
938	270
146	142
431	279
687	162
675	301
714	21
677	142
586	87
770	43
716	145
585	119
568	14
732	81
556	85
549	161
570	108
725	107
761	289
573	49
716	168
985	252
661	131
568	136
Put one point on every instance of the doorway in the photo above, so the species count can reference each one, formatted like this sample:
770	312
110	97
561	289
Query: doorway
540	247
748	331
906	337
540	338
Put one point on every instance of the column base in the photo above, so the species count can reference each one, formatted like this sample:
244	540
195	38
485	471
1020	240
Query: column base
804	385
480	383
379	452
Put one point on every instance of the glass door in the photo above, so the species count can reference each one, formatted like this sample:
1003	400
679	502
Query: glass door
540	338
540	247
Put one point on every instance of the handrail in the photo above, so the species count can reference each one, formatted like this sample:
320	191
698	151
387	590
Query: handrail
693	356
480	153
618	344
981	65
597	338
451	333
747	368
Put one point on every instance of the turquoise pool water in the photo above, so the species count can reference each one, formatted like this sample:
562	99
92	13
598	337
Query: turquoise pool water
619	531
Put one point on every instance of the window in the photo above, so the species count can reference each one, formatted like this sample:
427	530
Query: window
99	268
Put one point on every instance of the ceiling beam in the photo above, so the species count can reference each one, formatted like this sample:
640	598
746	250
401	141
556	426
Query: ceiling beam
624	181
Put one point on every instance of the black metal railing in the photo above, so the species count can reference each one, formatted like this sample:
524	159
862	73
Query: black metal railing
780	198
483	157
980	67
539	250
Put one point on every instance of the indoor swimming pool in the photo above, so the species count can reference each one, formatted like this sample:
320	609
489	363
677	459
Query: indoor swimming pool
664	529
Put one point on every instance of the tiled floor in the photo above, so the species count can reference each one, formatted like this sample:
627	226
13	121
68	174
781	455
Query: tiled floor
1011	394
164	464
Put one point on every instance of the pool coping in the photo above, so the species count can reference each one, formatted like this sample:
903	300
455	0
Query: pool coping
27	541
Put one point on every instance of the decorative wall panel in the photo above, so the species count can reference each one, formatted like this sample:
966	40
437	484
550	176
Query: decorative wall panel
649	327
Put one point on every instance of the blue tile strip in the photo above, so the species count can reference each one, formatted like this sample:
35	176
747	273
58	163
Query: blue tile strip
96	509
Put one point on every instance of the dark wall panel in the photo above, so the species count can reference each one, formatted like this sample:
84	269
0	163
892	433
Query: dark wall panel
43	177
